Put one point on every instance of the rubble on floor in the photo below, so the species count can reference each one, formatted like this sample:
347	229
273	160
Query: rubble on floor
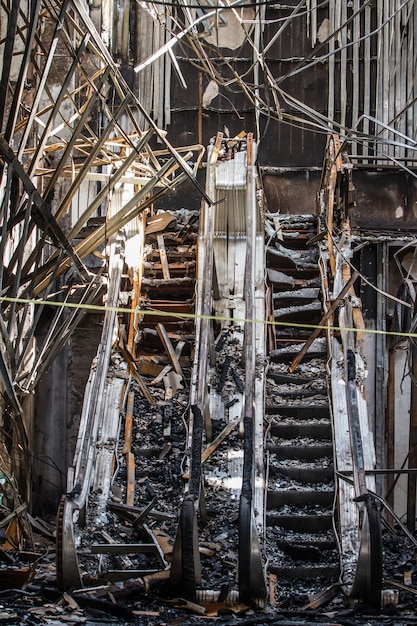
40	602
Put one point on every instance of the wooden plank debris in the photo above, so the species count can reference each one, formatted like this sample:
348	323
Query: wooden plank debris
130	489
272	579
322	598
191	606
163	257
15	577
163	335
135	373
335	304
127	446
150	580
217	146
73	604
208	451
159	222
146	613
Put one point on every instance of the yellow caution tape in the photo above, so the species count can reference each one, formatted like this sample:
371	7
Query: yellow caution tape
235	320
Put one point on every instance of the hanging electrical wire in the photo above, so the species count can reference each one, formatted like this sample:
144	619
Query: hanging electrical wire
209	58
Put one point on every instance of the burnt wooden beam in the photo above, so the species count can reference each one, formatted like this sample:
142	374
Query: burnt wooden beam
336	302
169	349
135	373
163	256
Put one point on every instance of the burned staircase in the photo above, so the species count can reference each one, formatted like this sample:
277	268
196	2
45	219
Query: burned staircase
162	346
167	286
134	486
301	543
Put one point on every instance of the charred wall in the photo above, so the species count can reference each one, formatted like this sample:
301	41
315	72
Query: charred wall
58	405
384	200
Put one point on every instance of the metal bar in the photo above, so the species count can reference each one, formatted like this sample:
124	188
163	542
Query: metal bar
93	404
102	233
7	340
123	548
8	57
80	8
355	69
61	97
384	471
17	96
20	252
380	359
50	224
390	426
252	584
63	333
8	385
77	131
4	216
331	65
343	62
127	162
412	440
42	83
29	334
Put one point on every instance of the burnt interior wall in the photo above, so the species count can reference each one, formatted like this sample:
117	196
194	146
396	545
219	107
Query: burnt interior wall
381	200
58	405
291	192
384	200
50	437
308	93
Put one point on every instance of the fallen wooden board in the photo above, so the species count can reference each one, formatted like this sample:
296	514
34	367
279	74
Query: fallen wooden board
127	446
130	491
208	451
163	257
169	348
159	222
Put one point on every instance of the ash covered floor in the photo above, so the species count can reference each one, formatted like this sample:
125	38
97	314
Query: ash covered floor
29	595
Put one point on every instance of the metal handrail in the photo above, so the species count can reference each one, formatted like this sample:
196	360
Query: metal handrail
185	572
367	576
252	587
